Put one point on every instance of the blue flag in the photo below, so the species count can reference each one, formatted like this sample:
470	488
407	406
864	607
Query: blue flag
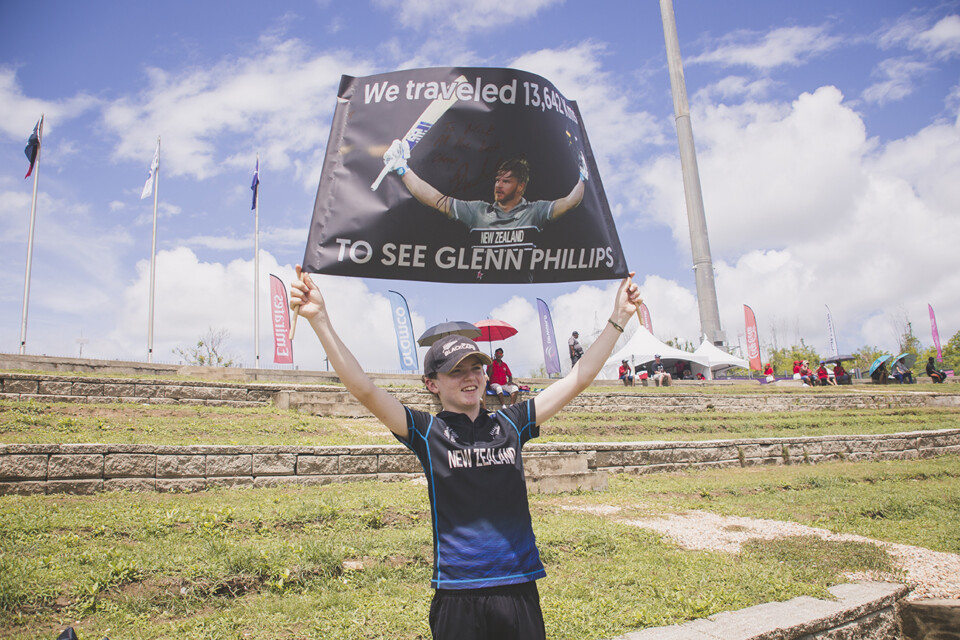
255	184
403	325
32	150
551	356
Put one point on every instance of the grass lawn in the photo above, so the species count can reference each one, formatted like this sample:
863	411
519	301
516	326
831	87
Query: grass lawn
31	422
269	563
354	560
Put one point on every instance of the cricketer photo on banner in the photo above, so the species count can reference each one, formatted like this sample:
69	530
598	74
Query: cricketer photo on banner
460	175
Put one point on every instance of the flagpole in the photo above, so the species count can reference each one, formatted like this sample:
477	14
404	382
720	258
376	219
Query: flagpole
33	220
153	255
256	267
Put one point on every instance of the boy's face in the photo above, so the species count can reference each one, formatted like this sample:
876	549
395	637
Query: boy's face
462	389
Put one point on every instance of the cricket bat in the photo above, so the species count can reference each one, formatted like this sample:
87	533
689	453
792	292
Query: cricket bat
427	119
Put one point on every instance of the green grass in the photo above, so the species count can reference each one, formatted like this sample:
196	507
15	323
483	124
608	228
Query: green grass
32	423
268	563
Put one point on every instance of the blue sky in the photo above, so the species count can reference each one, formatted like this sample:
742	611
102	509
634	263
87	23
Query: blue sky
827	138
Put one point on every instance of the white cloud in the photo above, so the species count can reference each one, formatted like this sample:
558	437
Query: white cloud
280	97
941	41
804	210
732	87
787	46
463	16
898	76
193	296
21	112
773	173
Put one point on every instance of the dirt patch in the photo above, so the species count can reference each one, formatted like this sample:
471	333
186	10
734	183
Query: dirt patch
932	574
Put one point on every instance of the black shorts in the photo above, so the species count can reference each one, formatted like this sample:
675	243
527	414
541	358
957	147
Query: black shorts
501	613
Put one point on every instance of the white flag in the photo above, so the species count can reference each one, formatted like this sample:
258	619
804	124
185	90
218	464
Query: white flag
834	350
148	185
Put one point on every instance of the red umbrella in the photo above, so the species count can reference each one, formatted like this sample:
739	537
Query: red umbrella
491	330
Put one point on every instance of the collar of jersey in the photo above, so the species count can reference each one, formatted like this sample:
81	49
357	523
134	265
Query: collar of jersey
520	205
461	419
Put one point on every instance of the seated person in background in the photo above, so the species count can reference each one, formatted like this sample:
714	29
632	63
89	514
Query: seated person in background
806	375
687	374
840	374
796	369
824	377
626	374
932	371
880	375
902	373
501	378
660	375
768	372
700	376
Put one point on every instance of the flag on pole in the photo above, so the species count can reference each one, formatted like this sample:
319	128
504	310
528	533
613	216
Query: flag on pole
834	349
936	334
32	150
280	317
551	355
753	339
645	317
255	184
154	165
403	326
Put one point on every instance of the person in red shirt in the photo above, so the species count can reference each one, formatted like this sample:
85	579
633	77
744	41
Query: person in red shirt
626	374
824	376
840	374
501	378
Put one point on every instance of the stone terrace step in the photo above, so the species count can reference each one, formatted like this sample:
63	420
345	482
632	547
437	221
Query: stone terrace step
329	400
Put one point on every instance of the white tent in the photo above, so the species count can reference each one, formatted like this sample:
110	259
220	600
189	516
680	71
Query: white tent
716	359
641	349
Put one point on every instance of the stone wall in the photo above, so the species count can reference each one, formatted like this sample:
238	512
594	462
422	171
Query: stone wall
89	468
333	400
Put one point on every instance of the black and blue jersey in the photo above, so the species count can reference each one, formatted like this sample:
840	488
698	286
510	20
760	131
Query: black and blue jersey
482	533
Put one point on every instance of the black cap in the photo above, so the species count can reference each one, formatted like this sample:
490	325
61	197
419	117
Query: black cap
448	352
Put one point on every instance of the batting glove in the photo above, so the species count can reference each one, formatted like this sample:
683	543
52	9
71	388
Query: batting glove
584	172
395	159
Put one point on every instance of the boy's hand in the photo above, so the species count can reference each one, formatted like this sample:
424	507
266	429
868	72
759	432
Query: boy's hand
305	297
627	301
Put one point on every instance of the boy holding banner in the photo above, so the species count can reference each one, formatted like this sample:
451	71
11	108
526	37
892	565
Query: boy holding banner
486	562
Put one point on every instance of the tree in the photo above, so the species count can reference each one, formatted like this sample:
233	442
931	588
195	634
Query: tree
783	359
208	351
682	345
864	357
950	351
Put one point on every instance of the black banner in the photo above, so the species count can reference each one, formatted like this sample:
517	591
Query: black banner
460	175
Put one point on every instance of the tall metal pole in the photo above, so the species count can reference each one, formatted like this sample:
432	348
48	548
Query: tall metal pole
153	255
256	269
33	220
699	242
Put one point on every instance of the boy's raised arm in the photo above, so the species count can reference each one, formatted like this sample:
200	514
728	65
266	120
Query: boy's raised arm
305	299
555	397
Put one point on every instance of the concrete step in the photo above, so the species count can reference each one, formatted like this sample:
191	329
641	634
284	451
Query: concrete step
538	466
590	481
930	619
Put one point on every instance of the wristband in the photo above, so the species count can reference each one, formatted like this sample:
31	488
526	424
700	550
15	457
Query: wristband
615	325
401	170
